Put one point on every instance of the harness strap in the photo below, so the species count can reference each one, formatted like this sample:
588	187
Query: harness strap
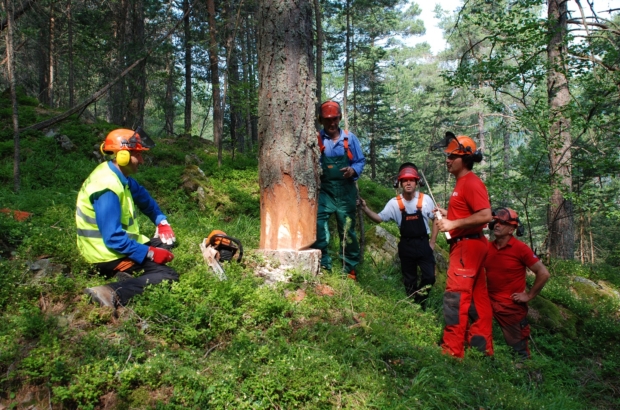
346	144
401	205
420	199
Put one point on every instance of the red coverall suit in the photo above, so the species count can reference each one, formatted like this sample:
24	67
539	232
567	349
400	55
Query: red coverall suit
506	275
466	296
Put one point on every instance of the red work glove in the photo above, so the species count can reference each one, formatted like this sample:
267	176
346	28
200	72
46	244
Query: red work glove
159	255
164	232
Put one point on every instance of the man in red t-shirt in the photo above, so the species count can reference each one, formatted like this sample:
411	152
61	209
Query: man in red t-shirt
469	209
505	266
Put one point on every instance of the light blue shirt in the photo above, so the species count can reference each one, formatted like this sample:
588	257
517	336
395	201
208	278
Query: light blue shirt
336	149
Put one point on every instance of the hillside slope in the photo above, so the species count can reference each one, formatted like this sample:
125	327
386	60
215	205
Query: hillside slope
314	342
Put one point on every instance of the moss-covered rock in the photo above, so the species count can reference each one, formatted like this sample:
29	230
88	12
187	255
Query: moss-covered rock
198	187
381	245
552	317
586	289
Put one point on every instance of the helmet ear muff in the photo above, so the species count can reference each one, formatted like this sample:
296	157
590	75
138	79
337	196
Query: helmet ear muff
123	157
476	156
520	228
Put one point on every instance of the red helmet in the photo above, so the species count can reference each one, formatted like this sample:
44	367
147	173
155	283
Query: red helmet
408	173
506	215
460	145
123	139
330	109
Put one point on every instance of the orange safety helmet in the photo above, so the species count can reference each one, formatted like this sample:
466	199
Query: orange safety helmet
330	109
124	140
506	215
460	145
408	173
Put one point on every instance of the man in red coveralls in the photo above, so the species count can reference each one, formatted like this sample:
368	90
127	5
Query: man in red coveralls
505	266
469	209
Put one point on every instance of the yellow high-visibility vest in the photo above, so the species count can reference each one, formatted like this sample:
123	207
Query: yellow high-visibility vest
89	240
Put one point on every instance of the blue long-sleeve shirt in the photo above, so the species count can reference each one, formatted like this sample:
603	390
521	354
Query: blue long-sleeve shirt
108	216
335	149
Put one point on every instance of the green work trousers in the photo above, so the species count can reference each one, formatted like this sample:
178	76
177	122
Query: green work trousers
337	196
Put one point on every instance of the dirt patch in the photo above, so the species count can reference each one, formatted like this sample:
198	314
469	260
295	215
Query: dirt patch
324	290
28	397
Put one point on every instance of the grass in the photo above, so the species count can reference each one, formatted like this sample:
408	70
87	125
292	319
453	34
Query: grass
203	343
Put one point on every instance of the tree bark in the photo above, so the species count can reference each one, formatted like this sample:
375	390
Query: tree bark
319	55
288	154
560	217
188	69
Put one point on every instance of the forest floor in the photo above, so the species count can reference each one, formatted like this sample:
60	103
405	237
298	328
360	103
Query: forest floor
312	342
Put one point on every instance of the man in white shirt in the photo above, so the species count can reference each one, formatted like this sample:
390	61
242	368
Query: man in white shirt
413	212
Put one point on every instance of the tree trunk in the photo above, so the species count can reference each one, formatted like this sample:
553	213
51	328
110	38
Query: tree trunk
346	66
237	107
506	152
288	154
372	122
23	8
43	65
188	70
560	218
71	74
252	64
247	92
215	81
10	59
591	238
117	92
481	139
169	106
137	82
51	55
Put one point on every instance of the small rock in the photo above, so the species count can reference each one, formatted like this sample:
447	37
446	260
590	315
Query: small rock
586	281
65	142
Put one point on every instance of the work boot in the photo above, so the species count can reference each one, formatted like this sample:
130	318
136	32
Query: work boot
122	276
352	275
104	295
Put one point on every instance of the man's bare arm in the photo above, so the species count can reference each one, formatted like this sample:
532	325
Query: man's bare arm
542	276
371	214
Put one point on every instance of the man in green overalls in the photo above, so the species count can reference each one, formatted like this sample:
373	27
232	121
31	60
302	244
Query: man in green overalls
342	162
